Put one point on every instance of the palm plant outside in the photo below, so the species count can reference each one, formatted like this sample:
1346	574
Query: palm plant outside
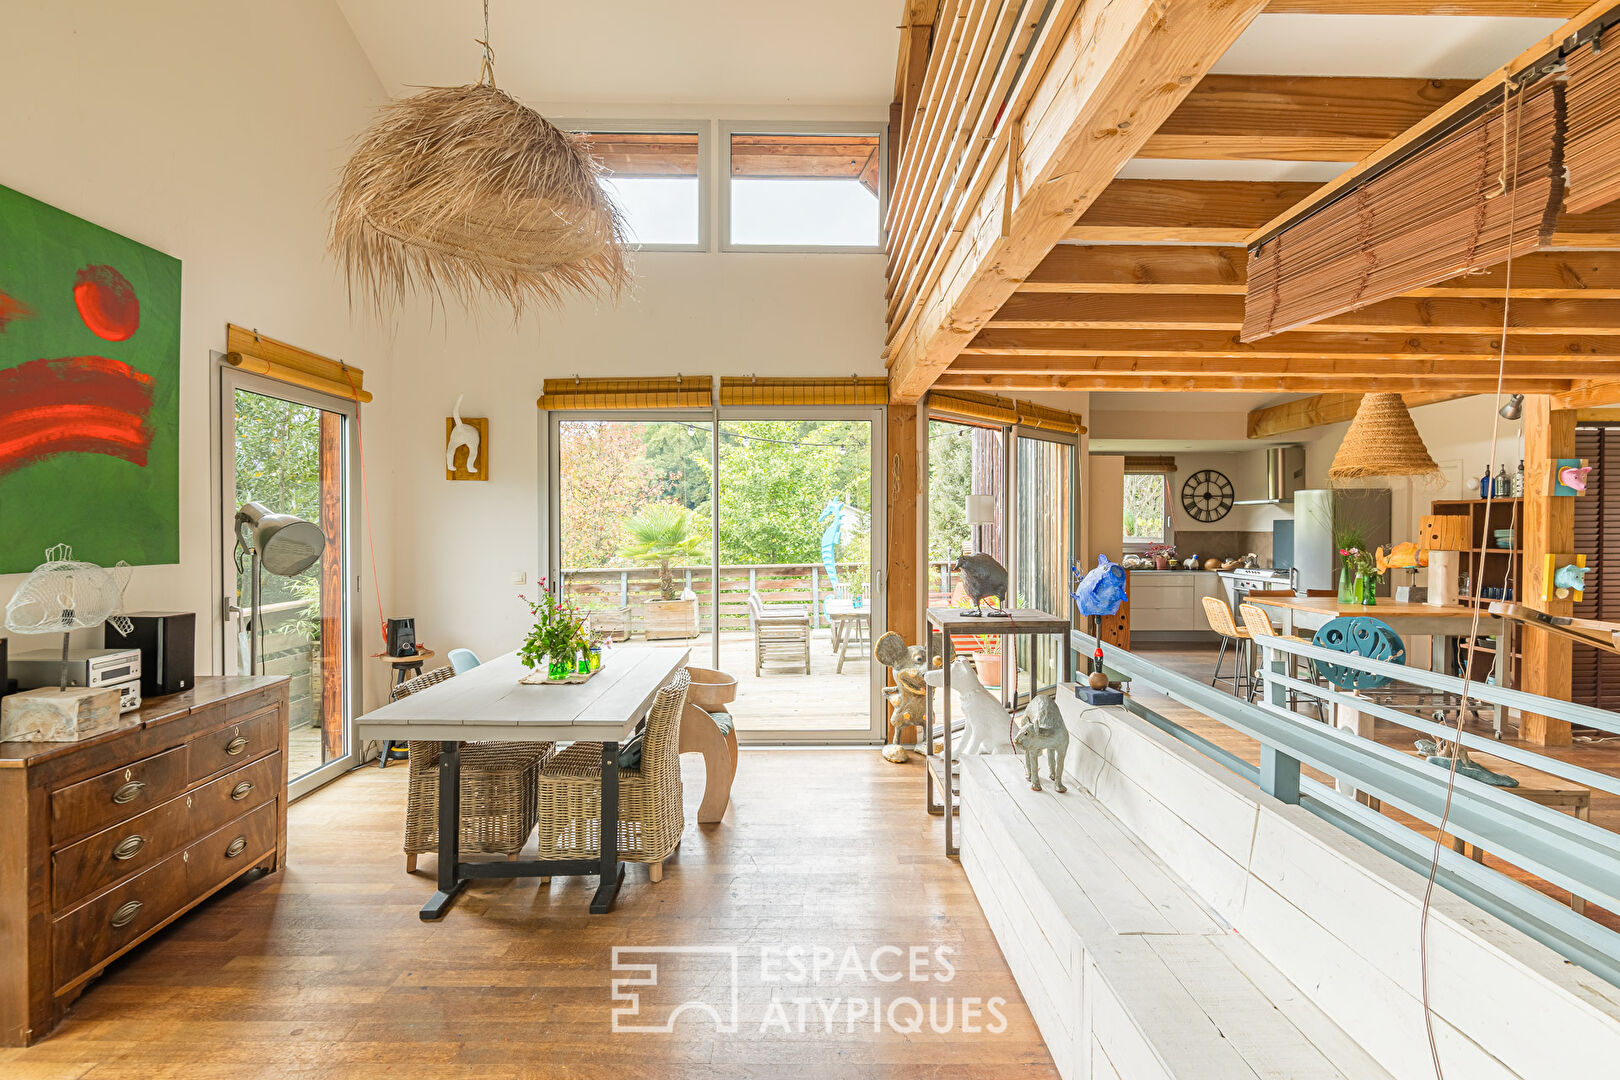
660	534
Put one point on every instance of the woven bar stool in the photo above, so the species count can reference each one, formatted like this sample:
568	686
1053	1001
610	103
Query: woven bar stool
1220	621
1258	623
498	805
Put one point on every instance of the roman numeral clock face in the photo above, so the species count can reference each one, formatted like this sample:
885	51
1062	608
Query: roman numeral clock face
1207	495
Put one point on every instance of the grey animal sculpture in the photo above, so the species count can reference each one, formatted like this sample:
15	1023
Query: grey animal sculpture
1043	729
983	577
1466	766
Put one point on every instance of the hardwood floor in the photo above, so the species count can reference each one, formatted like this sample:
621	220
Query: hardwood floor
1601	756
325	970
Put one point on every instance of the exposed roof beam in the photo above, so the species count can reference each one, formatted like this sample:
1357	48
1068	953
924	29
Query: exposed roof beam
1294	118
1228	212
1235	383
1296	343
1546	9
1119	72
1223	271
1289	367
1325	409
1402	315
1588	395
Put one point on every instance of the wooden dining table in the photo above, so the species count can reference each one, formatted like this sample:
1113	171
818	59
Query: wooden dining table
489	704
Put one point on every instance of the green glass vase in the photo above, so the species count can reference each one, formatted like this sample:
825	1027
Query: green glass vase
1367	585
1347	587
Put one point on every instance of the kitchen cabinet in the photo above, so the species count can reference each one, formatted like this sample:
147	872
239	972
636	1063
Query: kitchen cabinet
1168	605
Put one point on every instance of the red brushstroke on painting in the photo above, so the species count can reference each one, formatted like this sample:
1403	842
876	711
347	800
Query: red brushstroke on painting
12	308
82	404
107	303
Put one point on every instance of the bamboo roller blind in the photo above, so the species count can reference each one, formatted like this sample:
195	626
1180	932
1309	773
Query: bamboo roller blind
678	392
1592	148
248	350
851	391
1150	465
1436	215
990	409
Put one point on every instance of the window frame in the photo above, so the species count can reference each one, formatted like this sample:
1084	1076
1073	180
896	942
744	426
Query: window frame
728	128
703	129
1136	547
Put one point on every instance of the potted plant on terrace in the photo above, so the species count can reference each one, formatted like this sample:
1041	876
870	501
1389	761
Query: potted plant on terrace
660	535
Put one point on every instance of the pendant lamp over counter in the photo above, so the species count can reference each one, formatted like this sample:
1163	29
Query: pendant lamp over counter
466	191
1382	441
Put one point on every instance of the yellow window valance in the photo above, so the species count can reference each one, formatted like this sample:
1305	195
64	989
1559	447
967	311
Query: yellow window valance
759	392
676	392
990	409
248	350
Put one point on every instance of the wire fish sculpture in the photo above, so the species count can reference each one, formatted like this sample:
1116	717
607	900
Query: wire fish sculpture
62	595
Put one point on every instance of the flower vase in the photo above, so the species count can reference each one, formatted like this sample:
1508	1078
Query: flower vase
1369	589
1348	594
557	669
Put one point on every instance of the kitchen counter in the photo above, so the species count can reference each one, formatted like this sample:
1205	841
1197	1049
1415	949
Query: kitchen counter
1168	605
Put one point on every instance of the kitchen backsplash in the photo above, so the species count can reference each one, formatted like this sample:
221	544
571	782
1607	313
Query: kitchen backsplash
1223	544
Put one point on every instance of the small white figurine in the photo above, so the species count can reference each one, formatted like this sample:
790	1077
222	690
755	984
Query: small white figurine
986	719
461	434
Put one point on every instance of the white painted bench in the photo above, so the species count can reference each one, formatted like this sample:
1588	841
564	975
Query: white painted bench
1126	973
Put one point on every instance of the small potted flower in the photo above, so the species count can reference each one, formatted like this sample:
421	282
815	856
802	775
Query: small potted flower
553	643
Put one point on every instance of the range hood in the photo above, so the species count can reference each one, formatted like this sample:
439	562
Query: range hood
1285	474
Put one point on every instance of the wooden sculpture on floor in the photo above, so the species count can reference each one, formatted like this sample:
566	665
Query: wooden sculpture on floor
908	697
1043	730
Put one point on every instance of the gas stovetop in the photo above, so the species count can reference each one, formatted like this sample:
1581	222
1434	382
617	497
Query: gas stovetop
1258	573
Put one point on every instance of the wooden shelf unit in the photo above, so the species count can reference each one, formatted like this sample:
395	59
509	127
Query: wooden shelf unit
1483	520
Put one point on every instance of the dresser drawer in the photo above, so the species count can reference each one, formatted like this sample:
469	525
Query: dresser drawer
102	858
234	744
116	795
88	936
226	852
237	792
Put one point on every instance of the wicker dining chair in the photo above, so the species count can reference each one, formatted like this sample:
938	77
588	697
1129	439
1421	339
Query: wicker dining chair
1220	621
651	815
498	804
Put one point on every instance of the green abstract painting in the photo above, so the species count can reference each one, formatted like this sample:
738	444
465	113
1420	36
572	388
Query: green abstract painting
89	391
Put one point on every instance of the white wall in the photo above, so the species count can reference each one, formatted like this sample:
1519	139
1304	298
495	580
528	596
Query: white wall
213	132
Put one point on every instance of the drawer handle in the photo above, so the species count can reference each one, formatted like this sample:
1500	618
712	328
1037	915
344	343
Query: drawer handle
241	791
238	846
126	914
129	847
236	746
128	792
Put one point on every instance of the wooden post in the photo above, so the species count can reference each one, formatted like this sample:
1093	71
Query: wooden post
1549	528
331	613
904	611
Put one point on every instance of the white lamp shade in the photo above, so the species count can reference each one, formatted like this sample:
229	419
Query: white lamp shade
981	509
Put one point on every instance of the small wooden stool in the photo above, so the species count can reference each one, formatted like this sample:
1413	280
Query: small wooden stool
405	667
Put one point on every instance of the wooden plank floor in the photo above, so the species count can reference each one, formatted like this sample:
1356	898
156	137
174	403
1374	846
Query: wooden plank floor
325	970
1600	756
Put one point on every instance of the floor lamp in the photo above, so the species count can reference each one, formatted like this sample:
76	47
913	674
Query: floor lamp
280	543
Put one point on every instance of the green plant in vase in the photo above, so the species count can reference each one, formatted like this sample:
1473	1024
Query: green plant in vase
552	640
1363	564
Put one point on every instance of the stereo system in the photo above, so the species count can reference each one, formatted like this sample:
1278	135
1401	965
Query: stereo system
118	669
167	641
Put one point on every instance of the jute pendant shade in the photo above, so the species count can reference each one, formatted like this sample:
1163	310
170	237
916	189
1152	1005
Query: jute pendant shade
1382	441
465	191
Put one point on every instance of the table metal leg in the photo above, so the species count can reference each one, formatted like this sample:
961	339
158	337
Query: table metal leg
450	879
611	875
933	805
948	797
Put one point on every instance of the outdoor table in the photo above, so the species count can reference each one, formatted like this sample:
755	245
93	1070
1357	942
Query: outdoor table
489	704
847	621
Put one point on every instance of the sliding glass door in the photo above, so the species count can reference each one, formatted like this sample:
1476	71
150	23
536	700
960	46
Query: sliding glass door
765	520
288	449
1044	525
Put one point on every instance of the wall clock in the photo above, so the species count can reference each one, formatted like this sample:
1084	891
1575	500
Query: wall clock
1207	495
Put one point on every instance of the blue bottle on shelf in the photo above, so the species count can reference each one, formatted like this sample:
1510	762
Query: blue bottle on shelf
1485	483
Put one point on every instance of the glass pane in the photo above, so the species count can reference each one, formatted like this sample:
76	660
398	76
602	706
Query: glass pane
289	457
634	533
1144	509
653	176
805	190
963	460
1044	513
796	572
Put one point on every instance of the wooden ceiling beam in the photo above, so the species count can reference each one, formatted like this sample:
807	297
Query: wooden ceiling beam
1427	370
1590	395
1295	118
1295	343
1327	409
1119	71
1542	9
1183	270
1402	315
1238	383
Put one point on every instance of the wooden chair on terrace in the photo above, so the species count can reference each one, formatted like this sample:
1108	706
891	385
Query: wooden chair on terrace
781	634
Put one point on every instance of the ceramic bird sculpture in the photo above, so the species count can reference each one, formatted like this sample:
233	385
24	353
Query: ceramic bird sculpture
983	577
1574	477
461	434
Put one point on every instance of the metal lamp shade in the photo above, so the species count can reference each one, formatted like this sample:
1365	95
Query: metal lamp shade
286	545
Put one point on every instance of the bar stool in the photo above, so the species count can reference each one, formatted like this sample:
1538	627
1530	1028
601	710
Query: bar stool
1220	621
1258	624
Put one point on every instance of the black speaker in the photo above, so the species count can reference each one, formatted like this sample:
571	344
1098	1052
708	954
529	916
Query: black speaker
401	637
5	686
168	644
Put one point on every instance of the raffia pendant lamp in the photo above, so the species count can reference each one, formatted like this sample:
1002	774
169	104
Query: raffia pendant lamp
1382	441
464	191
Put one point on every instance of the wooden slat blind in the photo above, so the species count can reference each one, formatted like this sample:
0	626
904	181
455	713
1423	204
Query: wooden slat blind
1592	148
990	409
1048	419
1596	672
678	392
851	391
1440	213
1150	464
248	350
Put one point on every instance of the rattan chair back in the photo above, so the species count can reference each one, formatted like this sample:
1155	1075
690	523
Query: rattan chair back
1220	618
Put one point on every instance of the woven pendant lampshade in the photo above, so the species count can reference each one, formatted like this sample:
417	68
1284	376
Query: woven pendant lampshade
464	191
1382	441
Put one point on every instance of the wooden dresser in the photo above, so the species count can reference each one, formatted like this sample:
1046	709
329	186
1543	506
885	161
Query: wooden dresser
106	841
